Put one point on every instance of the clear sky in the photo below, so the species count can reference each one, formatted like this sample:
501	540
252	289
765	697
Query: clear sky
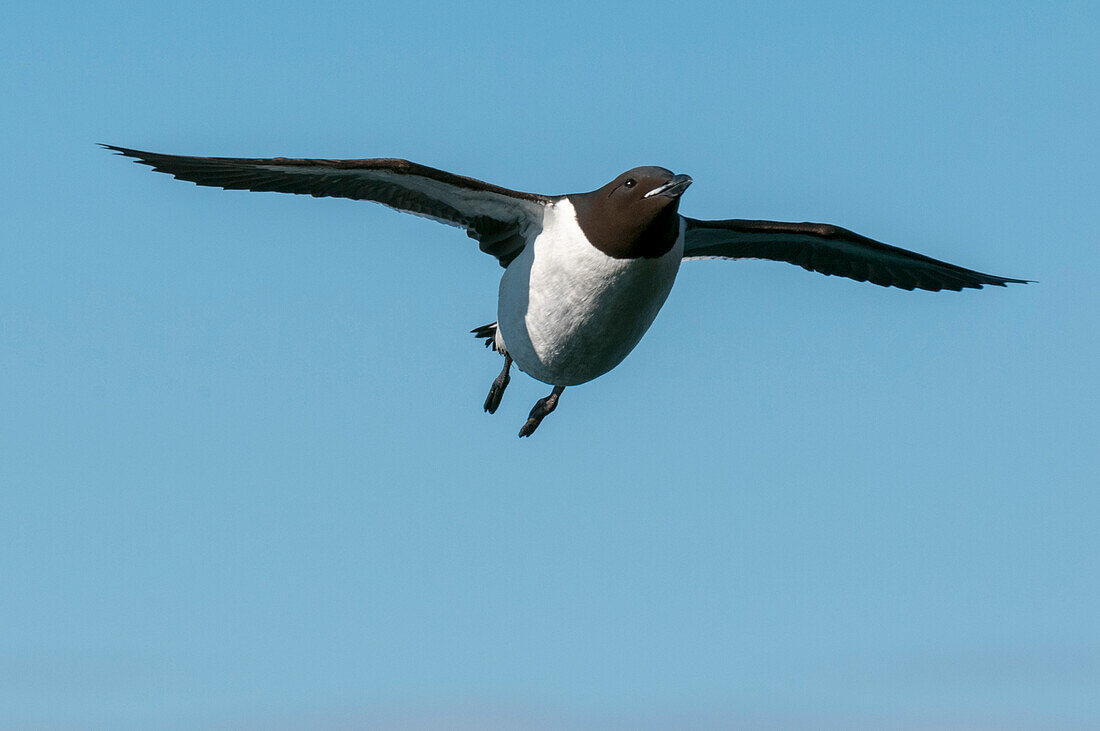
245	477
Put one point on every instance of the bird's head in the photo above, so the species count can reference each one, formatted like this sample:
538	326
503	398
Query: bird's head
635	215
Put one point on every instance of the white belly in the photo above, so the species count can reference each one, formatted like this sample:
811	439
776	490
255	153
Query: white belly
567	312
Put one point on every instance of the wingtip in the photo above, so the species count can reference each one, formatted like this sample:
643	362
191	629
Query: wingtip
993	281
138	155
116	149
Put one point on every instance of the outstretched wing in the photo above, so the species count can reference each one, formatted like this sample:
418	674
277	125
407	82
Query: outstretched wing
498	218
820	247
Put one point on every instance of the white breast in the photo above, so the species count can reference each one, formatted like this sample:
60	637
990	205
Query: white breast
567	312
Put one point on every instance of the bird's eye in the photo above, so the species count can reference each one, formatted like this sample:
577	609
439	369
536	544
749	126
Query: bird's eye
630	183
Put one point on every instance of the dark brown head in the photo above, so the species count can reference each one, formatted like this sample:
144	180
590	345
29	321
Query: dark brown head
635	215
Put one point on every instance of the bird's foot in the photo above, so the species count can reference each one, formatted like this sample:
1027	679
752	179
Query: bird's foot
542	409
492	401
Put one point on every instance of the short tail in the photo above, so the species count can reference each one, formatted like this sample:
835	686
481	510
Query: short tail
489	333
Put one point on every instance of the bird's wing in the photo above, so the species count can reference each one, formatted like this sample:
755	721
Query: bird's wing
820	247
498	218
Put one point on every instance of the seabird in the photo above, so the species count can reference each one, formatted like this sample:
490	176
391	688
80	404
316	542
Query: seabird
585	273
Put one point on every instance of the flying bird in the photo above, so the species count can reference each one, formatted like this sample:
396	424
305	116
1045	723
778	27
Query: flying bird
585	273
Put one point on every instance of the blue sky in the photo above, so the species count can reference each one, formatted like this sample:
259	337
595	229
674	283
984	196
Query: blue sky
246	477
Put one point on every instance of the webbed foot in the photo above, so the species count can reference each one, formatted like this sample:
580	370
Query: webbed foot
492	401
542	409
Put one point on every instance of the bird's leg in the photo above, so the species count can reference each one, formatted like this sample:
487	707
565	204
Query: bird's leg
542	407
492	401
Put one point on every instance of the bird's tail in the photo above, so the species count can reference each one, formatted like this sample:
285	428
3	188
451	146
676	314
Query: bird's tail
489	333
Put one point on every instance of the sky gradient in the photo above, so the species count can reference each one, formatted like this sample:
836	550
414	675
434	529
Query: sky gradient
245	477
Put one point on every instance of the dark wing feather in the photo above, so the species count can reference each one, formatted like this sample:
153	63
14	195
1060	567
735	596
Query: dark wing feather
498	218
820	247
